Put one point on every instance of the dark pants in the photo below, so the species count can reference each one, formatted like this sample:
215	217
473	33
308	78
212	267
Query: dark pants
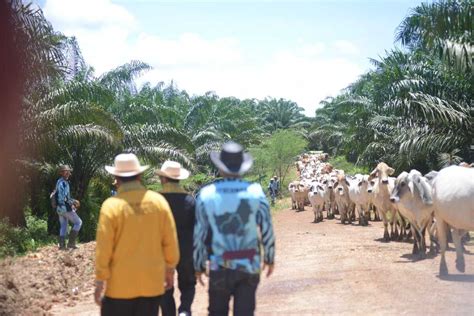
187	288
226	283
130	307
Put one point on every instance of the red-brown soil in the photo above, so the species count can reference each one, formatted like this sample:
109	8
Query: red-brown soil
324	268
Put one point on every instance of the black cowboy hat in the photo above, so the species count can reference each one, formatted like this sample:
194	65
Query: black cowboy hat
232	159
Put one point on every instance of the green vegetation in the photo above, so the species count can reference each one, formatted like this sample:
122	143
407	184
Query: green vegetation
277	154
340	162
414	110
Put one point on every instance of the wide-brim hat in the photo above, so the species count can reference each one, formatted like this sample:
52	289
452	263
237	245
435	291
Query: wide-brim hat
126	165
232	159
173	170
64	168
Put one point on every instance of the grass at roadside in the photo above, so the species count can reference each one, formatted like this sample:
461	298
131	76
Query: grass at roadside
281	204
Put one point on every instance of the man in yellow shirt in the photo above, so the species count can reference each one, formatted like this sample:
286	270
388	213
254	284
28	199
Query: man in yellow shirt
137	248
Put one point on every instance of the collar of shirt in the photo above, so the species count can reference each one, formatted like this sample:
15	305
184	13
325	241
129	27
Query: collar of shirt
172	188
130	186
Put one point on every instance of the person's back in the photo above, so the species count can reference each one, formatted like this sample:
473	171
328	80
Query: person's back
234	209
233	225
139	218
182	206
137	248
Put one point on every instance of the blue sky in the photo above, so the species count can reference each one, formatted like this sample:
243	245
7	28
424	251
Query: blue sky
298	50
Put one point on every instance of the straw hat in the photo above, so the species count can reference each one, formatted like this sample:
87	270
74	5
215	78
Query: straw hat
173	170
232	159
126	165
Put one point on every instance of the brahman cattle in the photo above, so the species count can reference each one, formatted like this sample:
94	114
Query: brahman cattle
453	201
412	194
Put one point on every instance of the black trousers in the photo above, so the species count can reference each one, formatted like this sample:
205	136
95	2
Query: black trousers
226	283
187	288
140	306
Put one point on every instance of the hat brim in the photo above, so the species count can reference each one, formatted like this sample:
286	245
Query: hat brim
244	167
112	170
183	174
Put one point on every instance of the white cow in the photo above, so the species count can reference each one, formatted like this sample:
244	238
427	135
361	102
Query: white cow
360	197
381	185
292	188
412	194
344	203
453	201
329	195
316	197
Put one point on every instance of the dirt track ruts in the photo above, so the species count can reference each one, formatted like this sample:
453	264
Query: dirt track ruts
330	268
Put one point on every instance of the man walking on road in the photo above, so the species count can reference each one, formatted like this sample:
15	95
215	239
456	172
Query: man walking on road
66	209
137	248
182	207
234	216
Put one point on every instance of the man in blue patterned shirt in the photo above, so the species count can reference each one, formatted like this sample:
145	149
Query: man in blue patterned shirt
233	221
66	210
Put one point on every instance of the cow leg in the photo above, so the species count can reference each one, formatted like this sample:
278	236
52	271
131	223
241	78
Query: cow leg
393	226
434	244
377	215
460	265
422	244
415	242
402	227
386	236
349	213
442	237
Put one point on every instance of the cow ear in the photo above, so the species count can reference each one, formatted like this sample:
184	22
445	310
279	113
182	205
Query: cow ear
423	189
373	174
390	171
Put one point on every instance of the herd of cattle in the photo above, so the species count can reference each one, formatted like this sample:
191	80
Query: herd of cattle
411	203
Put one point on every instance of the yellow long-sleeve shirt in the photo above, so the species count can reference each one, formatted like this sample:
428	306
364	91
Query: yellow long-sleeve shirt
136	240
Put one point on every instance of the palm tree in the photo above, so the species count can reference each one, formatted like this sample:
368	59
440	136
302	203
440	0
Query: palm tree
282	114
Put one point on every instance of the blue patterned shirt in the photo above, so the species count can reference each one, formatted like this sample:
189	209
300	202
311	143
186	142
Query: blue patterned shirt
64	195
229	215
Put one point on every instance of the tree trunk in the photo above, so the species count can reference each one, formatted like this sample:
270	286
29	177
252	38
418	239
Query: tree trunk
11	93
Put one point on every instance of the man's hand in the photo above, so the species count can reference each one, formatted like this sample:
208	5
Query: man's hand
169	278
269	268
99	289
199	277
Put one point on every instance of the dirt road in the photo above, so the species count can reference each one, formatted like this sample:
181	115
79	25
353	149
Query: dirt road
329	268
324	268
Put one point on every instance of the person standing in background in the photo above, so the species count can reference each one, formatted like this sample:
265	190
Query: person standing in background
137	248
234	216
66	209
182	206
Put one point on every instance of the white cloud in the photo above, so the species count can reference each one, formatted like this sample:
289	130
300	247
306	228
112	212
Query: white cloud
88	13
188	50
109	36
345	47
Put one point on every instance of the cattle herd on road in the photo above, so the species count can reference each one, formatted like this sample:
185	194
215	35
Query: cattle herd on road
438	202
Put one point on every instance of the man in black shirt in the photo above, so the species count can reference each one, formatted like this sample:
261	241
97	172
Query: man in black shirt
182	207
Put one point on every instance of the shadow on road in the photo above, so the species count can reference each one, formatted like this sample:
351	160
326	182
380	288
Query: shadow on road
467	278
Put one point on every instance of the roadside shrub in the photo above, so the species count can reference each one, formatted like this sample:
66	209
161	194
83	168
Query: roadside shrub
19	240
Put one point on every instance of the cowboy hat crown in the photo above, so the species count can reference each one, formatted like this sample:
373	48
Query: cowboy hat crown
126	165
232	159
173	170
